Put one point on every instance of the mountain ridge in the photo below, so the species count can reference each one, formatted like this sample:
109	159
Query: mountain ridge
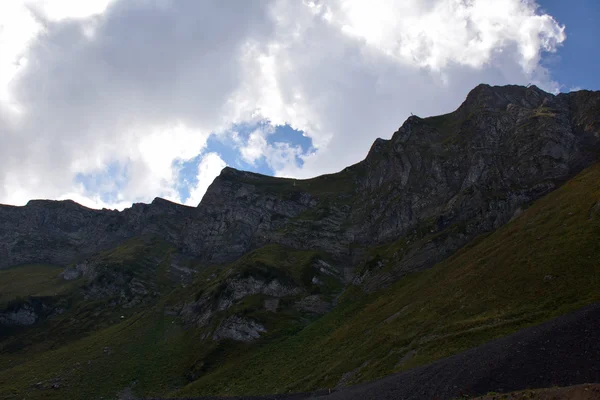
503	147
457	230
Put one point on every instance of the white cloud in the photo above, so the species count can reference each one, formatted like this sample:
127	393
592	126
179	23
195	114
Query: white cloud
115	97
208	169
85	85
281	157
18	28
347	72
255	147
436	33
57	10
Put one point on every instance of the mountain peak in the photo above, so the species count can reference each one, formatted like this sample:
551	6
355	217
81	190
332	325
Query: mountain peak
484	96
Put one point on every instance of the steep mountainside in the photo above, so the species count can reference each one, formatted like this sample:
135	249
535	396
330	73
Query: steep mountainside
272	284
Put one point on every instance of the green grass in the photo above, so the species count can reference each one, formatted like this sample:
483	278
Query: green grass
489	289
32	280
146	349
541	265
294	267
544	112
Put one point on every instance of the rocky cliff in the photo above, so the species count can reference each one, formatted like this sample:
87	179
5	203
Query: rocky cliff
434	185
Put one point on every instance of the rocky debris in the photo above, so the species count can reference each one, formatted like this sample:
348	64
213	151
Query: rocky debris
57	311
326	268
239	329
242	287
313	304
180	274
371	269
407	356
54	383
182	268
84	269
231	291
316	281
25	312
137	287
24	315
123	287
348	377
127	394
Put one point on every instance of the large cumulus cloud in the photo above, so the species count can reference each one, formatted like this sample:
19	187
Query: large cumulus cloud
124	91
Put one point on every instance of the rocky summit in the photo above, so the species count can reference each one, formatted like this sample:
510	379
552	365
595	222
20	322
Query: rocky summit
262	260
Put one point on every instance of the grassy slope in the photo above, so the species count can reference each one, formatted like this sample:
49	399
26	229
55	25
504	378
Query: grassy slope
539	266
56	349
149	349
31	280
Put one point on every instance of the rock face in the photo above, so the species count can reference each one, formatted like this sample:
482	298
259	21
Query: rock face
239	329
62	232
200	312
434	185
23	316
26	312
83	269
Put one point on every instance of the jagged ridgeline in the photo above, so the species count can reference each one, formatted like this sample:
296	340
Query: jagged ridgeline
459	229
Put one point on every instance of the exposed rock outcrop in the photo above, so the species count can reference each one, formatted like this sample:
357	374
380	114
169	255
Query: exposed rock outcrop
200	312
22	316
239	329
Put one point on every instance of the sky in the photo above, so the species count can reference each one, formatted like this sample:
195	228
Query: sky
112	102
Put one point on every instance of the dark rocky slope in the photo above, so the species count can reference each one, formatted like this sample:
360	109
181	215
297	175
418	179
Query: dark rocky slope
562	352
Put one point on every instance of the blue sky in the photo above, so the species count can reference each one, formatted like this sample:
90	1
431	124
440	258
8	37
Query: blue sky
110	102
577	62
225	146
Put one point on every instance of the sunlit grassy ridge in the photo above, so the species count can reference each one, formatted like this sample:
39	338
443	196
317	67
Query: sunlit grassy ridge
542	264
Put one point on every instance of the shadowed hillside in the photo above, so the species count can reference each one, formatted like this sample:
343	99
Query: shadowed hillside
275	285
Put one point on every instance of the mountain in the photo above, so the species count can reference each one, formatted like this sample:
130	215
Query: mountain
273	284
